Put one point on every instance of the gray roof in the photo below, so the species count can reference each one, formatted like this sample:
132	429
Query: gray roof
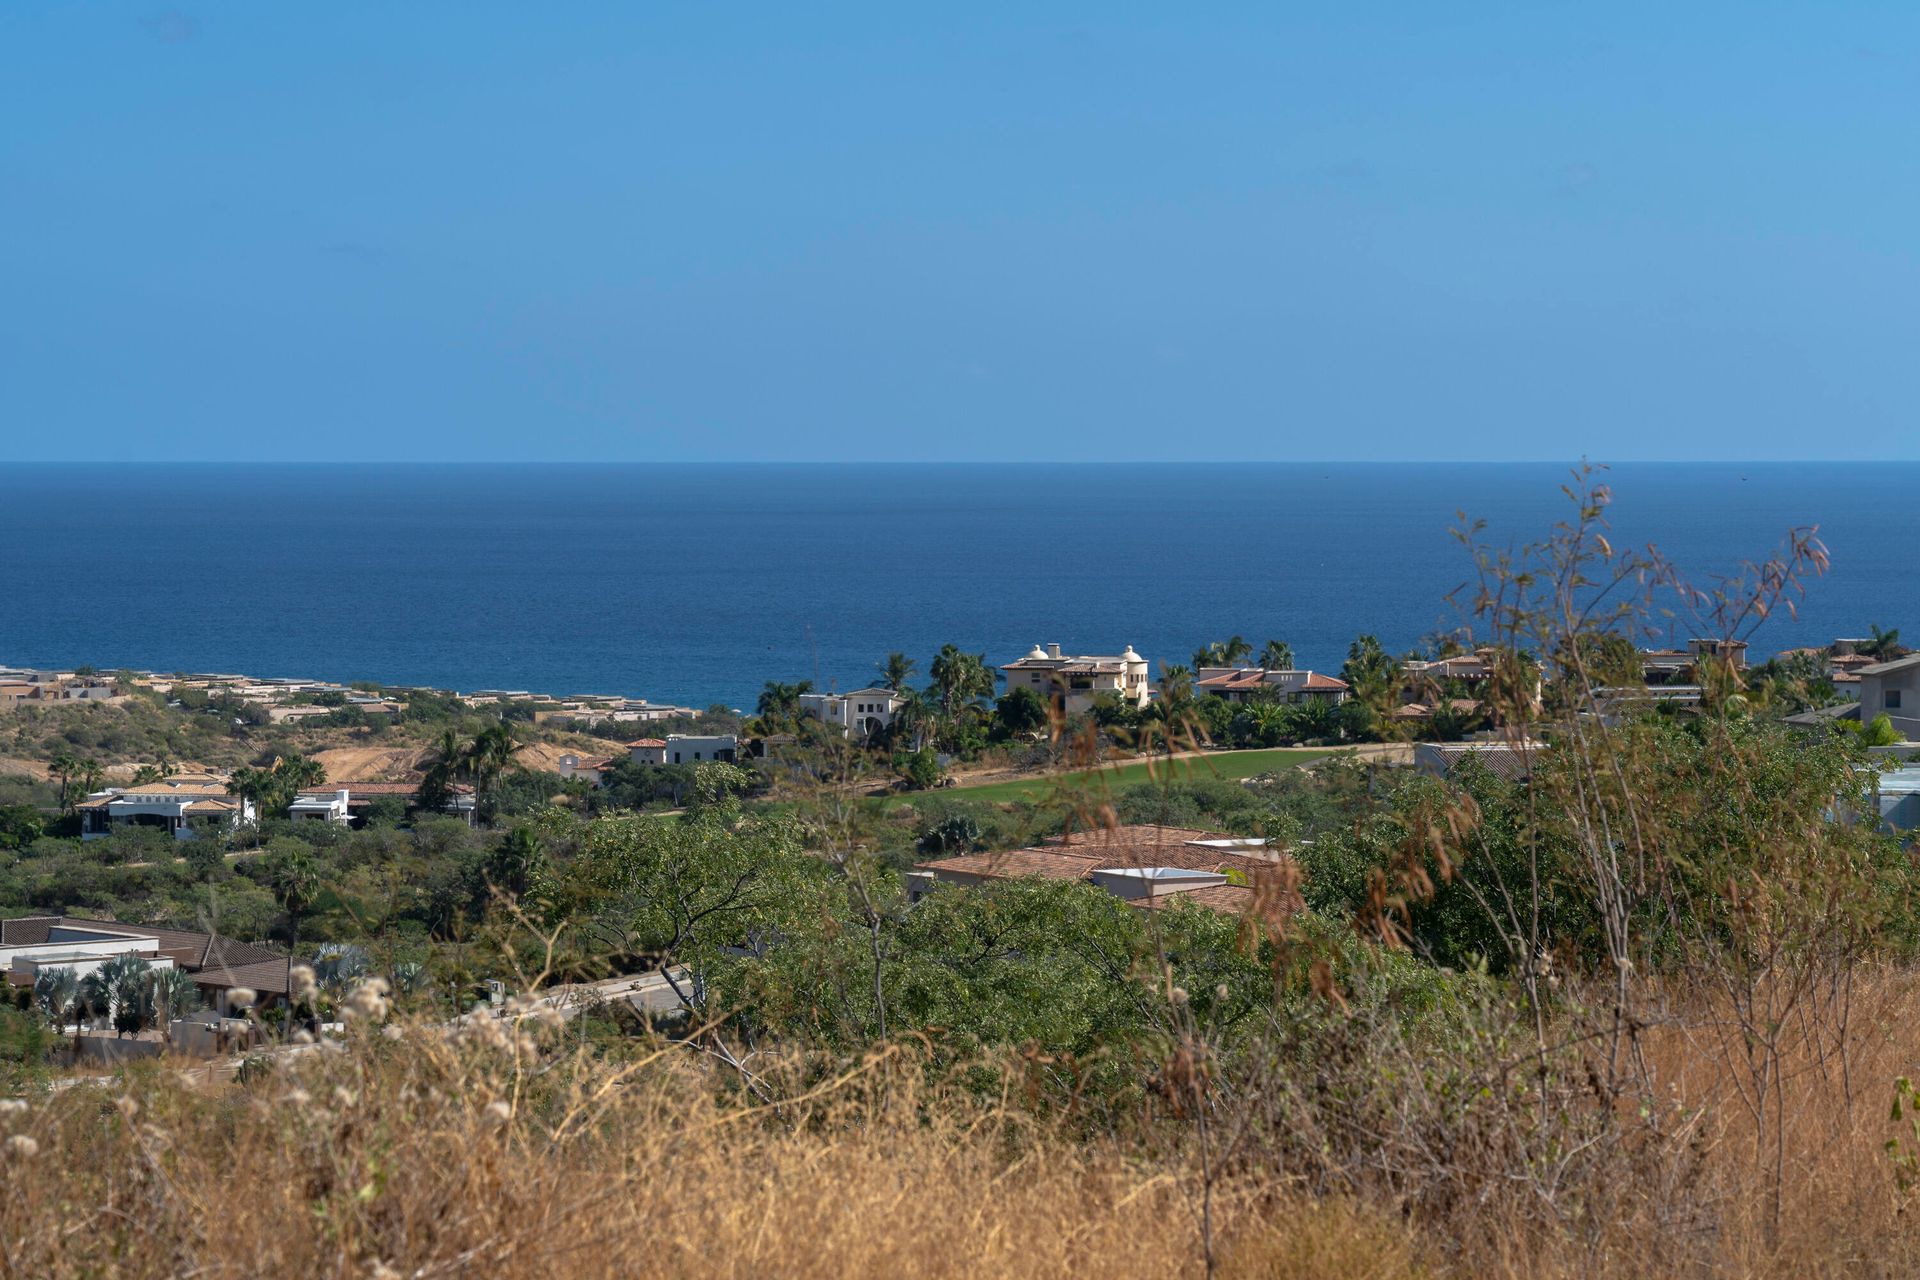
1882	668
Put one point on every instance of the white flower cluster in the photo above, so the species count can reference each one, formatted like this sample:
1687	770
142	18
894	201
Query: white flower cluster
368	1001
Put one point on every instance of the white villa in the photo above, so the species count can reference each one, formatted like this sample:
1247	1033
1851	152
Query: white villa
684	748
1081	679
862	713
172	804
1249	684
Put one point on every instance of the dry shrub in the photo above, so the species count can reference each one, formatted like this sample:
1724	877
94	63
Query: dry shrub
420	1156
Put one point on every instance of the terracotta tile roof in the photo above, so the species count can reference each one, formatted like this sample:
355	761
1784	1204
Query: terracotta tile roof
648	742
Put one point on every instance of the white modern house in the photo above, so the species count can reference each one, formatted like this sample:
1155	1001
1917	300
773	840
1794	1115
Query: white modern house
172	804
689	748
1080	679
861	714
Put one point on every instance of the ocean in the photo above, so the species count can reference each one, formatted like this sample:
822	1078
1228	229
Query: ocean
696	584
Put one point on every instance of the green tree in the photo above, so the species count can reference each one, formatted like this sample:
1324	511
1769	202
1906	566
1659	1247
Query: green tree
1277	655
175	995
1884	645
778	707
488	756
960	679
122	989
896	671
20	825
294	877
57	991
1222	653
63	766
1019	712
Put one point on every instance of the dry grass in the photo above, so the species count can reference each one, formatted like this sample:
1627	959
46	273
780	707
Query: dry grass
424	1158
434	1157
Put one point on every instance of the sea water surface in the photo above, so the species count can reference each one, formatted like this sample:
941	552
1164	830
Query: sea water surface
697	583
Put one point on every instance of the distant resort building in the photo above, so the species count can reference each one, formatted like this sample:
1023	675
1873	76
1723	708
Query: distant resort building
862	713
172	805
1081	679
1261	684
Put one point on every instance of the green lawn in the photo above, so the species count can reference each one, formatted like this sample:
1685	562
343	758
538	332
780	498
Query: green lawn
1230	765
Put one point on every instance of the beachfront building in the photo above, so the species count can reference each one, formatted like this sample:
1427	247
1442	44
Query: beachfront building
1080	679
1260	684
173	805
860	714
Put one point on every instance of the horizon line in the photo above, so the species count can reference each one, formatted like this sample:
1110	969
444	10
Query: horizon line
937	462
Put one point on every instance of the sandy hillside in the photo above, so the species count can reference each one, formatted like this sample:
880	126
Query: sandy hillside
404	764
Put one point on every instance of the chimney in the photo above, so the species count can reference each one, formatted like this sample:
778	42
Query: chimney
1053	651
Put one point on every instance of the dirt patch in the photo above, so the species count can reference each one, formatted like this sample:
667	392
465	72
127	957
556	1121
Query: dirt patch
544	757
13	767
372	764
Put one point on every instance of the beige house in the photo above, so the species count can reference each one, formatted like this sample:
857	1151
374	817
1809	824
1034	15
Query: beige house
1252	684
861	713
1079	680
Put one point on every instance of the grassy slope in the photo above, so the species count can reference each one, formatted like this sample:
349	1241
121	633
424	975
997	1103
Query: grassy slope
1229	765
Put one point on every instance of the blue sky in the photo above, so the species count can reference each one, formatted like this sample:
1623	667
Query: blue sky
660	231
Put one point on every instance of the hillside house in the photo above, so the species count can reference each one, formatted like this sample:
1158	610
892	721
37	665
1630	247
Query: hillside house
691	748
861	714
172	804
350	803
1892	689
1260	684
1081	679
31	944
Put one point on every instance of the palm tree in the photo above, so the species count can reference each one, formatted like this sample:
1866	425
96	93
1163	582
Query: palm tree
1277	656
335	964
90	775
896	671
122	988
1222	653
959	678
58	993
436	783
487	758
62	766
779	704
295	880
1884	645
916	716
1176	692
175	995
